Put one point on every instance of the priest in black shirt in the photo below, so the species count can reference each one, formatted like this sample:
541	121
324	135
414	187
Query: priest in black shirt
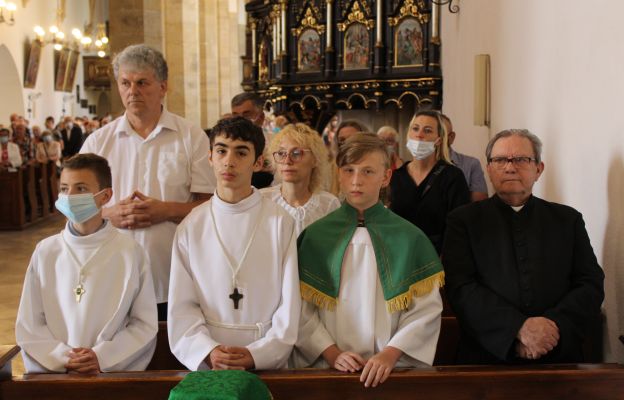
521	274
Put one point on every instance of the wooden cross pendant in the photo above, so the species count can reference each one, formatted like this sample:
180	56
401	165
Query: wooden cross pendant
236	297
79	291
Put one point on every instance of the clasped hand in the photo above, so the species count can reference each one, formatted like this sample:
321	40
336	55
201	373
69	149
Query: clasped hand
230	357
537	337
83	361
137	211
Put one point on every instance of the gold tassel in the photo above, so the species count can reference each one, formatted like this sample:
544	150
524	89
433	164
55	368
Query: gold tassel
316	297
420	288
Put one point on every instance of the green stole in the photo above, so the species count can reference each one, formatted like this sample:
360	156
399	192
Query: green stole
407	263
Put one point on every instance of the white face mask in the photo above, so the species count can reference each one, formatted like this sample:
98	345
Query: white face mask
390	149
420	149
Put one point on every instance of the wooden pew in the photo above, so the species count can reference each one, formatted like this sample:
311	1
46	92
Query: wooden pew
42	190
573	381
53	186
40	181
12	207
29	187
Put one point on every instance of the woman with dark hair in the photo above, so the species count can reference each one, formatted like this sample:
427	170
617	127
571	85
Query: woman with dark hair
426	189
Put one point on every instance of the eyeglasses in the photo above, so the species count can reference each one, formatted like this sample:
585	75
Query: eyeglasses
518	162
295	155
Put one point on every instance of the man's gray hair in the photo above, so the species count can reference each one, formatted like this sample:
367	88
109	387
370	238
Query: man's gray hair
525	133
141	57
245	96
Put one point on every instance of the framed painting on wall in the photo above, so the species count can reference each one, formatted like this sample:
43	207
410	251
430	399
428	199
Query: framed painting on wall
309	51
72	66
408	44
61	69
356	47
32	67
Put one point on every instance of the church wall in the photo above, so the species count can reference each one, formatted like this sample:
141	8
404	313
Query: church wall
556	69
42	12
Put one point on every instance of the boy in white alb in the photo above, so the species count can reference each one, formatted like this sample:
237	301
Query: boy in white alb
369	278
234	299
88	301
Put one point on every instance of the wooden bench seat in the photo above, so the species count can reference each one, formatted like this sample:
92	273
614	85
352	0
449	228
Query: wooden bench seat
578	381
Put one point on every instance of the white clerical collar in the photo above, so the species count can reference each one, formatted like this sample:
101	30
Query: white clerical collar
88	240
242	206
517	208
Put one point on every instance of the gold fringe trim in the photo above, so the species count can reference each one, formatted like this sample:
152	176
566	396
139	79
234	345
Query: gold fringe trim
316	297
420	288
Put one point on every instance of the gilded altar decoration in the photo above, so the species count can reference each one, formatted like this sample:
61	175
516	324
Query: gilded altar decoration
411	8
408	42
356	16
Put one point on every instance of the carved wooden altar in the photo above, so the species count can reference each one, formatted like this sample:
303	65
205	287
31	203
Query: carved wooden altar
318	56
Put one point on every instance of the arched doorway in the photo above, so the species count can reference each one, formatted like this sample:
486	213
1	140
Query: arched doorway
12	99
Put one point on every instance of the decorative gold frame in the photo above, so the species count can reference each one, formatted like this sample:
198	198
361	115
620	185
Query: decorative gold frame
309	20
32	64
411	8
357	16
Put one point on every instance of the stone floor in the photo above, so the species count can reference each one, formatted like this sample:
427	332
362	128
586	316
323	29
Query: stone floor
15	250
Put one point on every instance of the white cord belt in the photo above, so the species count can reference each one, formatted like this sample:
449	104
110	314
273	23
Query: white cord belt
260	328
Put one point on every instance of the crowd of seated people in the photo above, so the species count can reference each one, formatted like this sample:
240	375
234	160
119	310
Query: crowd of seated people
24	144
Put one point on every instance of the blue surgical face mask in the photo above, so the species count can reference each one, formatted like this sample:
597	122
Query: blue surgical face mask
47	138
4	139
78	208
420	149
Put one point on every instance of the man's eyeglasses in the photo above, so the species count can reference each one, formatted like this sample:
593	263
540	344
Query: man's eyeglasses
518	162
295	155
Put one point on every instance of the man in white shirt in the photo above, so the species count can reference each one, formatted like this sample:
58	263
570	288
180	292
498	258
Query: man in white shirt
159	161
88	301
234	299
470	166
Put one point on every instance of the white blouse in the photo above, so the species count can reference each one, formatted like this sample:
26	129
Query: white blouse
319	205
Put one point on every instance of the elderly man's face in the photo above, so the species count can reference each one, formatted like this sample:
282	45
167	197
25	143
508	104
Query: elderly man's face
514	184
247	109
141	92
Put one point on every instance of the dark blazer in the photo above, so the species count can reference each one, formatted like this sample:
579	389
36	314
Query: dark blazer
73	143
504	266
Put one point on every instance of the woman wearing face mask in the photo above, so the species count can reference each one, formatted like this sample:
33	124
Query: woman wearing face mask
426	189
48	149
10	156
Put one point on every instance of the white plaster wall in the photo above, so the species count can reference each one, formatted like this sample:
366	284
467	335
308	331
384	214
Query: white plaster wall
557	70
42	12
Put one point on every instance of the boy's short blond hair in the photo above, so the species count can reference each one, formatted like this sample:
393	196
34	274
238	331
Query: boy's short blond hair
357	146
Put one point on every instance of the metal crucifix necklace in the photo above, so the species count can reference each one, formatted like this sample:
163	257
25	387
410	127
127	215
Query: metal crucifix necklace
79	290
236	295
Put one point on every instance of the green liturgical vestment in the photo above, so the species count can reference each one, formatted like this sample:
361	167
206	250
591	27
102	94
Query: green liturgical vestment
407	263
220	385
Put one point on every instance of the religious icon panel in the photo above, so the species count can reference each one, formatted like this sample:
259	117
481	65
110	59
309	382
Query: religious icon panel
309	49
409	43
356	47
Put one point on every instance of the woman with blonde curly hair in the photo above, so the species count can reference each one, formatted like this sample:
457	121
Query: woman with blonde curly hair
299	157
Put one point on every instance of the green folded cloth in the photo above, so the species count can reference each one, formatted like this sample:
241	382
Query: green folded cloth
220	385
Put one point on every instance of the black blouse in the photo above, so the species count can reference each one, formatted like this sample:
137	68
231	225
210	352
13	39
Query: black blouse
427	205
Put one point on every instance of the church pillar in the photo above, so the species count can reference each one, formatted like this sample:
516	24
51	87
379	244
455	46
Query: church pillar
126	28
182	52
